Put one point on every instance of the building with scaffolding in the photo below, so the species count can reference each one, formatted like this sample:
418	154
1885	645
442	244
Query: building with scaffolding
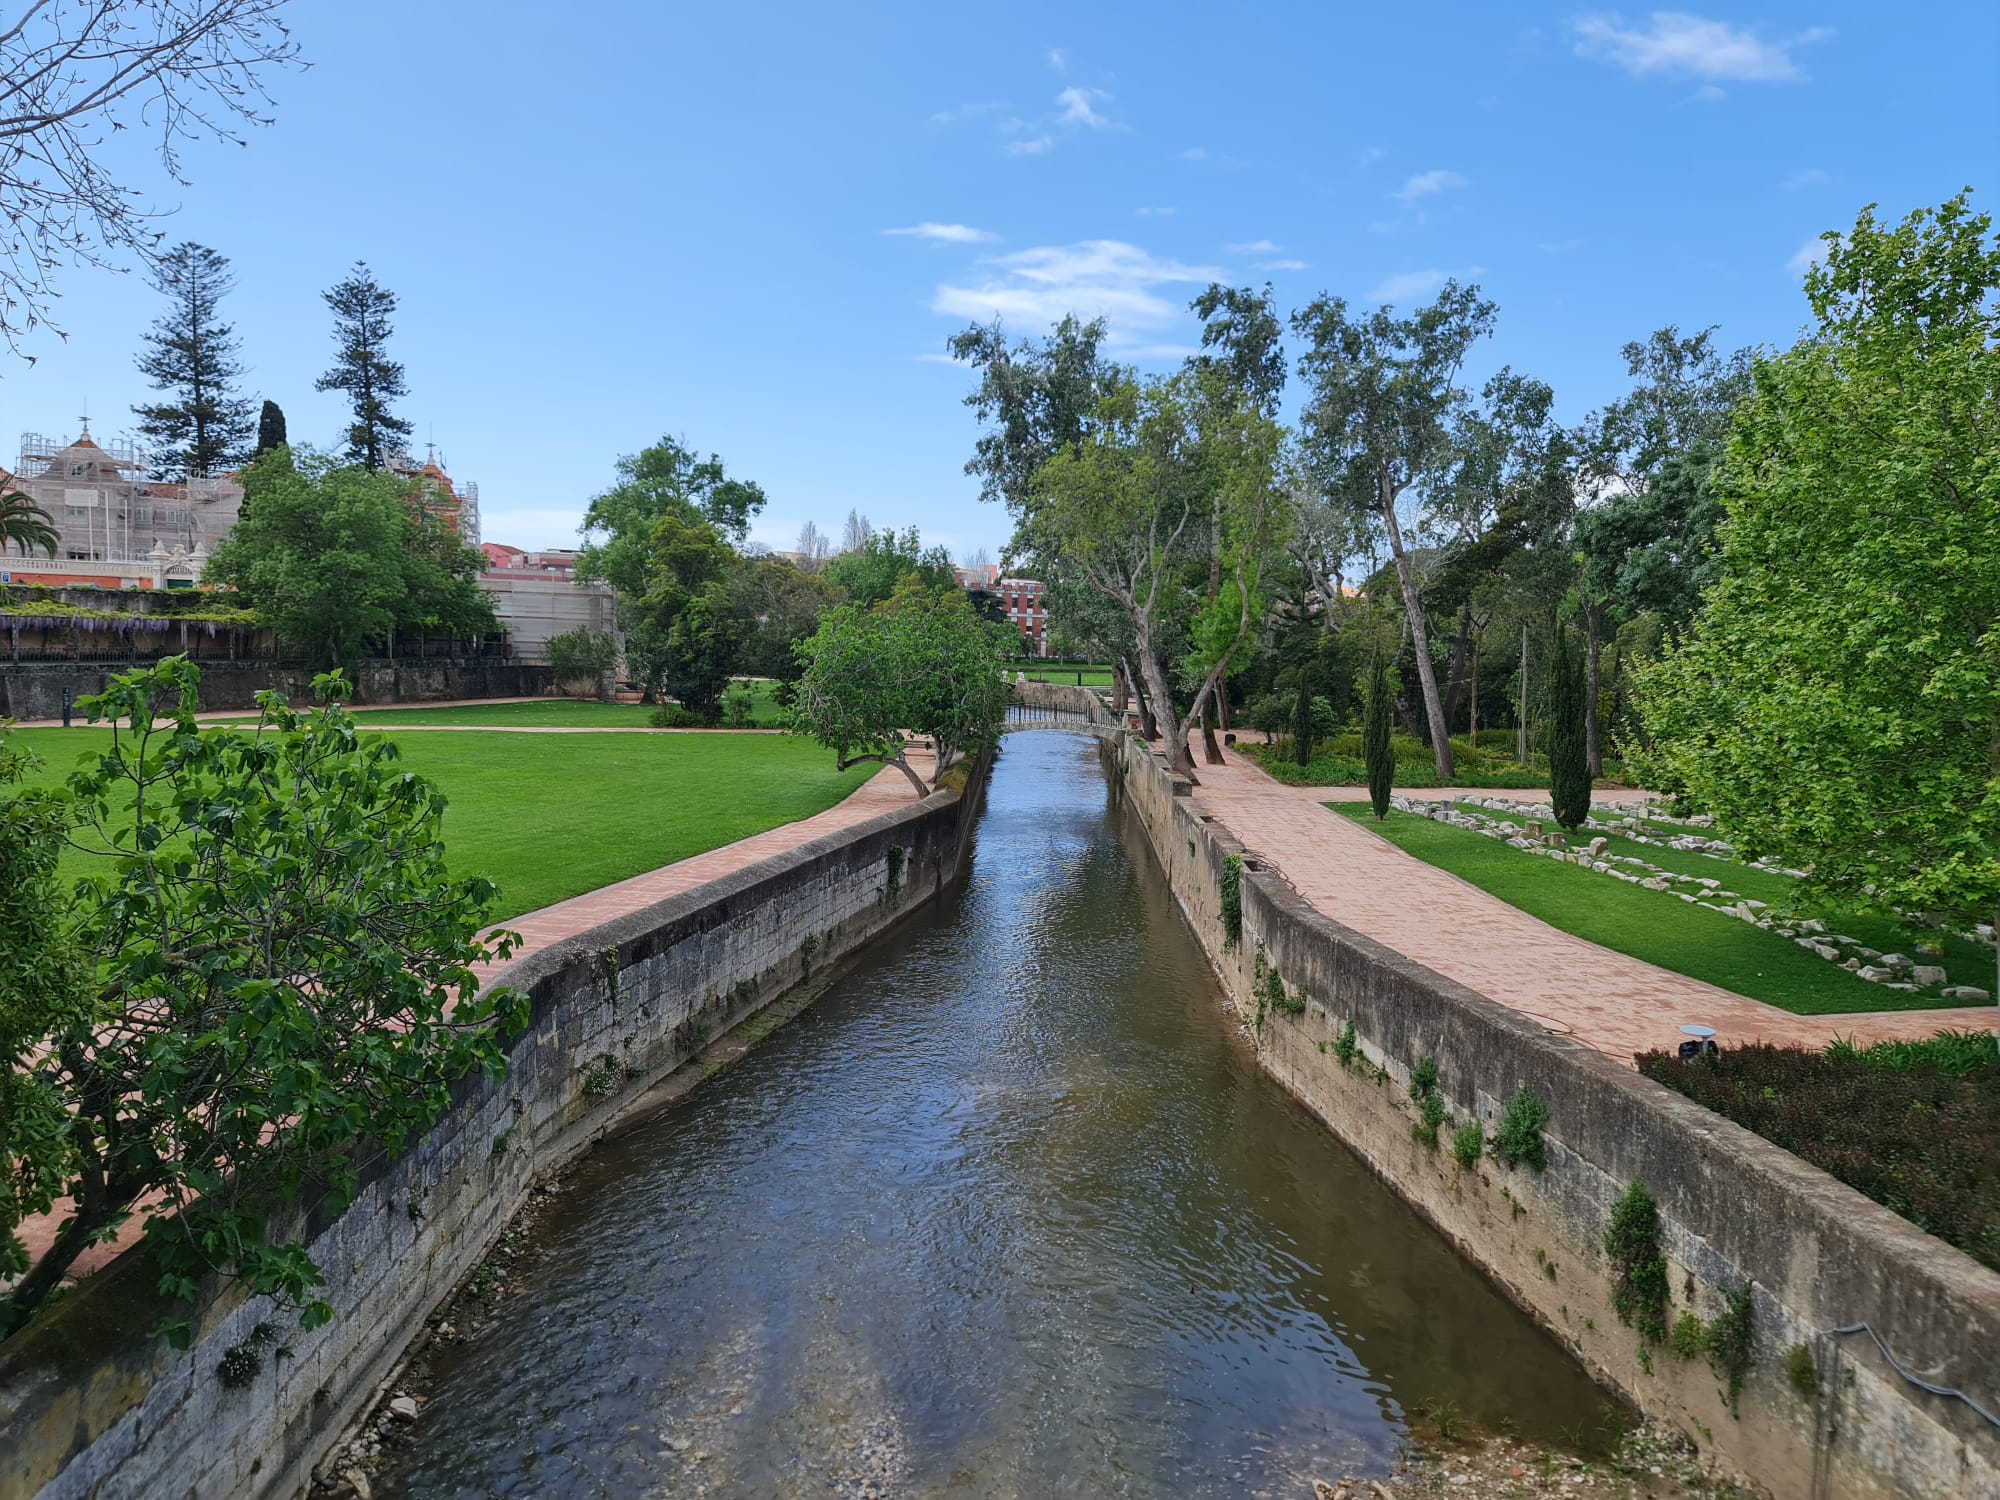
118	529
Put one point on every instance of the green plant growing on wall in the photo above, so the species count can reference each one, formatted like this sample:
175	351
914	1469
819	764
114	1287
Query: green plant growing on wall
1730	1339
1689	1338
808	946
895	856
1518	1137
1632	1242
1230	888
1430	1118
1468	1145
1281	998
1423	1078
601	1077
1800	1370
1345	1046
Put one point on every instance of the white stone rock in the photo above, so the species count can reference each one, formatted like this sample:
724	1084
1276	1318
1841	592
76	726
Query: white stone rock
1966	992
1895	961
1827	951
1875	975
403	1408
1927	974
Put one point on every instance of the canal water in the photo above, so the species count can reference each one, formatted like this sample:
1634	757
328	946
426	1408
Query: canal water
1010	1211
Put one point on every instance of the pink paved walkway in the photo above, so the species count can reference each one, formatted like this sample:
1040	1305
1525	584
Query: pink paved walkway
1618	1005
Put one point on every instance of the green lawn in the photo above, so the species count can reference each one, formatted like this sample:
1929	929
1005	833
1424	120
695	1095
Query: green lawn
1964	961
1038	670
568	713
1648	925
552	816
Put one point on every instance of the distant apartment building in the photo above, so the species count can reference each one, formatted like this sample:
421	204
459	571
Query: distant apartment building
118	529
1026	604
536	595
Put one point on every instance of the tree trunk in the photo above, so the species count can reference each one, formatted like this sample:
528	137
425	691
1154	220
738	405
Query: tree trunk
1121	690
1593	750
1420	637
1149	724
1455	678
1210	750
1168	721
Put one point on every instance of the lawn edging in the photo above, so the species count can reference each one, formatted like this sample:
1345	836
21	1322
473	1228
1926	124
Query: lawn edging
90	1407
1343	1022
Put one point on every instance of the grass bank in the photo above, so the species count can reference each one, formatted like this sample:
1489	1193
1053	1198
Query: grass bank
1648	925
552	816
542	713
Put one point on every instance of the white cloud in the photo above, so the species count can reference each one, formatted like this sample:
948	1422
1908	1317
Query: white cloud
1284	265
1057	60
1156	213
1033	289
1673	43
946	234
1810	177
1414	286
1424	184
1194	153
1078	107
1254	247
1033	146
966	112
934	359
1811	253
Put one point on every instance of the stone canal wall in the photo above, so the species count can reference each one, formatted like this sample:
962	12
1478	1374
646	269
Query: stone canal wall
90	1407
1826	1266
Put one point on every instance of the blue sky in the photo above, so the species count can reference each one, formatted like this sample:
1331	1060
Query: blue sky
754	225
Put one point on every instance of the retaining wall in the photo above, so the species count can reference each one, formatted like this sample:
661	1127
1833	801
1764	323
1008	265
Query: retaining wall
91	1408
1734	1207
34	690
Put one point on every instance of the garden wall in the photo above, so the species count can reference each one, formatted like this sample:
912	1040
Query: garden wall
90	1407
34	690
1822	1258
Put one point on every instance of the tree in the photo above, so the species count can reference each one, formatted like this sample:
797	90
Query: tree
26	525
202	427
814	547
1381	423
1377	747
1034	400
334	558
71	75
854	535
668	479
918	663
1569	761
1242	343
1837	702
270	428
277	984
869	574
783	605
362	367
580	658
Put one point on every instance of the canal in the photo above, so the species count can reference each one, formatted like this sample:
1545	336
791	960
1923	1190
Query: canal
1010	1211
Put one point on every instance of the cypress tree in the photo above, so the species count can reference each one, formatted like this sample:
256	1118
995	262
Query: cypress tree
1569	760
1376	751
270	428
362	368
202	427
1302	720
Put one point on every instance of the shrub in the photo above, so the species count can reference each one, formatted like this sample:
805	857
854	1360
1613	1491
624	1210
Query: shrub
1430	1116
673	716
1632	1242
1915	1126
1345	1046
1468	1145
1518	1138
1730	1338
1376	752
736	708
581	658
1690	1336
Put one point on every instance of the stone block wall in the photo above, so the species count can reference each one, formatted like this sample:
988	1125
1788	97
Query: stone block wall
34	690
1822	1259
89	1407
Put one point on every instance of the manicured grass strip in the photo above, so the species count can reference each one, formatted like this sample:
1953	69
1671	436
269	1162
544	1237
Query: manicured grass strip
1649	925
1759	885
541	713
553	816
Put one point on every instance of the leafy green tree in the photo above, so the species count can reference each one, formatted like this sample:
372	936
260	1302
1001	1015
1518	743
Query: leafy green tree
270	428
1569	761
334	558
920	663
1377	747
1243	343
1382	423
666	479
1837	703
1033	399
361	367
871	574
783	605
26	525
202	426
278	984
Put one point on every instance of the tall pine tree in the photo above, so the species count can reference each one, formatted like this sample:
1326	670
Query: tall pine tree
270	427
1569	758
201	427
362	368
